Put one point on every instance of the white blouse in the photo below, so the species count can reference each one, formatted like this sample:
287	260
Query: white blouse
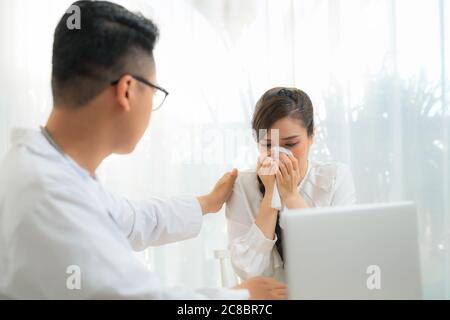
252	254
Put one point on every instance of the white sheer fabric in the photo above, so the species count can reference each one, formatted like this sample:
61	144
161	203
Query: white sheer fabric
377	72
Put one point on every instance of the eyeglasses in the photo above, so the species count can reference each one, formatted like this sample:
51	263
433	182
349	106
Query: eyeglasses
158	98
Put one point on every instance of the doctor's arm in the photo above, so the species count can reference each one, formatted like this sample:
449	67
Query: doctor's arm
158	221
68	249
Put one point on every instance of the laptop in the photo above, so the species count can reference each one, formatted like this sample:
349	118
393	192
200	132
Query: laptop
355	252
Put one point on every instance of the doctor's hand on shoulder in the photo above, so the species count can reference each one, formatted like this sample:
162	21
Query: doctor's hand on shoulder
213	201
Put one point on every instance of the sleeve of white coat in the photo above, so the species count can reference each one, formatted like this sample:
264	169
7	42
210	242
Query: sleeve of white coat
252	253
157	221
344	190
64	235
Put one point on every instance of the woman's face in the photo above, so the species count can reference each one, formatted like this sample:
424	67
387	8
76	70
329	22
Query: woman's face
292	135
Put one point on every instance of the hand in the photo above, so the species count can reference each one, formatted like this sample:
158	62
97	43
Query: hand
266	169
288	178
261	288
213	201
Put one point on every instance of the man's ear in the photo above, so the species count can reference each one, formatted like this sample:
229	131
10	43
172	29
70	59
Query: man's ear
123	92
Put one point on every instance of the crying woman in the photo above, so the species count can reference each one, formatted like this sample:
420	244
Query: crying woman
253	224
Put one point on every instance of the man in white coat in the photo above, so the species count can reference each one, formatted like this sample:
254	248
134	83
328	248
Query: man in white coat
56	219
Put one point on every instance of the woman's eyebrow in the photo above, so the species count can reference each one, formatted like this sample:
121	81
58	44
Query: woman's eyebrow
290	137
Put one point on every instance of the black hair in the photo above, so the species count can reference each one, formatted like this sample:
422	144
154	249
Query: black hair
109	42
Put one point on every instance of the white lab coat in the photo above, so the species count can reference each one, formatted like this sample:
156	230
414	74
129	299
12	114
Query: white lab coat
252	254
54	215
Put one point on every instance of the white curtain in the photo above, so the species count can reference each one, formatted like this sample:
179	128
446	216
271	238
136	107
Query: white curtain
378	72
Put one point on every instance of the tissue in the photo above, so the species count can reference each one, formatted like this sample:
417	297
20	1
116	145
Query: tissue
276	199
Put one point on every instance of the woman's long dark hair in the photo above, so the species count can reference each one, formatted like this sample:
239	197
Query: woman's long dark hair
276	104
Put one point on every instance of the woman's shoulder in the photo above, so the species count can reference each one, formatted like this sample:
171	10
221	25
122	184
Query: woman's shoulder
331	169
325	174
246	187
247	180
244	202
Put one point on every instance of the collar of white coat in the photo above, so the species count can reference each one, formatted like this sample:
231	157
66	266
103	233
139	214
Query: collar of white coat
35	141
